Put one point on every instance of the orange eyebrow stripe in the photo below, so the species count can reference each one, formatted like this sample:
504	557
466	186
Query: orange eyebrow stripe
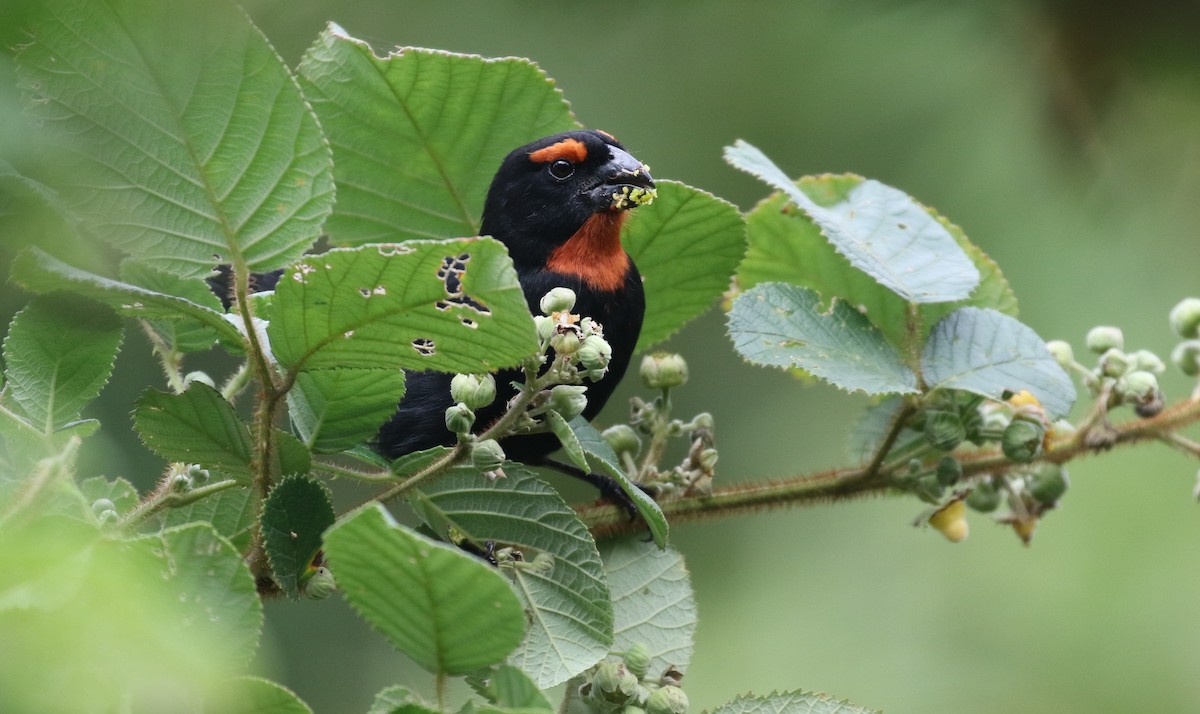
572	150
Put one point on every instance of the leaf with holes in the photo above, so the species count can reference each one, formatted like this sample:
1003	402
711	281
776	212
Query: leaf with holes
448	611
294	515
653	603
686	245
452	306
59	353
988	353
180	160
782	325
417	134
569	608
335	409
882	231
197	426
787	246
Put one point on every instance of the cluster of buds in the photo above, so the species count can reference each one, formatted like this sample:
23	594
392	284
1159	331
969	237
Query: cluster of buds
1119	377
1030	492
1185	321
624	685
578	342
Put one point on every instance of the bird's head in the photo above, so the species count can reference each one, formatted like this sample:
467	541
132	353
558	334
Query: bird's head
575	187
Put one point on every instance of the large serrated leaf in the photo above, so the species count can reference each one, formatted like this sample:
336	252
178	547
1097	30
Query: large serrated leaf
335	409
452	306
197	426
685	246
397	699
792	703
231	512
59	353
179	158
294	515
184	334
40	272
653	602
882	231
417	134
449	611
510	687
255	695
782	325
989	353
602	457
786	246
569	607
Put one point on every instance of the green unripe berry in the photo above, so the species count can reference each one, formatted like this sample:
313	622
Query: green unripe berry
949	471
1102	339
1186	357
565	343
460	418
568	400
637	659
632	709
1063	354
181	483
1147	361
321	585
663	370
1137	386
1185	318
944	430
613	683
558	300
595	353
623	439
1022	440
100	505
1049	484
984	497
1114	363
108	518
487	455
928	488
198	474
667	700
474	390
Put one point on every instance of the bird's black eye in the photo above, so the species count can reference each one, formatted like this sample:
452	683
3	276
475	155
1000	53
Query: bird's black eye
561	169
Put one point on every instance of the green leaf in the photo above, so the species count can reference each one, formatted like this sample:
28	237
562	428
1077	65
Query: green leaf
31	212
291	455
988	353
231	512
255	695
213	586
452	306
35	270
400	700
792	703
605	461
122	493
870	429
508	686
197	426
448	611
417	134
335	409
569	608
179	159
882	231
686	245
785	246
295	514
59	353
782	325
653	602
566	437
185	334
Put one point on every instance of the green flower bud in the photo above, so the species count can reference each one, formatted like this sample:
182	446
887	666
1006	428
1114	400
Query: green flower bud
201	377
632	709
595	353
545	326
1137	386
1185	318
181	483
663	370
667	700
637	659
565	343
949	471
1063	354
1186	357
321	585
984	497
1147	361
100	505
1102	339
198	474
1022	440
944	430
623	439
1049	484
568	400
928	488
1114	363
613	683
474	390
108	518
460	418
558	300
487	455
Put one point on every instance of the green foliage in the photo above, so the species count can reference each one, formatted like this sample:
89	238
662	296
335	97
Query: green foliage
254	695
197	426
653	602
600	456
508	686
295	515
791	703
335	409
231	512
445	609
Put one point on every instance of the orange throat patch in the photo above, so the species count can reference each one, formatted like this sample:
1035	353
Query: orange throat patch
594	254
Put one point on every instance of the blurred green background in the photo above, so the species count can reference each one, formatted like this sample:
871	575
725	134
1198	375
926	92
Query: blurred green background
1063	137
